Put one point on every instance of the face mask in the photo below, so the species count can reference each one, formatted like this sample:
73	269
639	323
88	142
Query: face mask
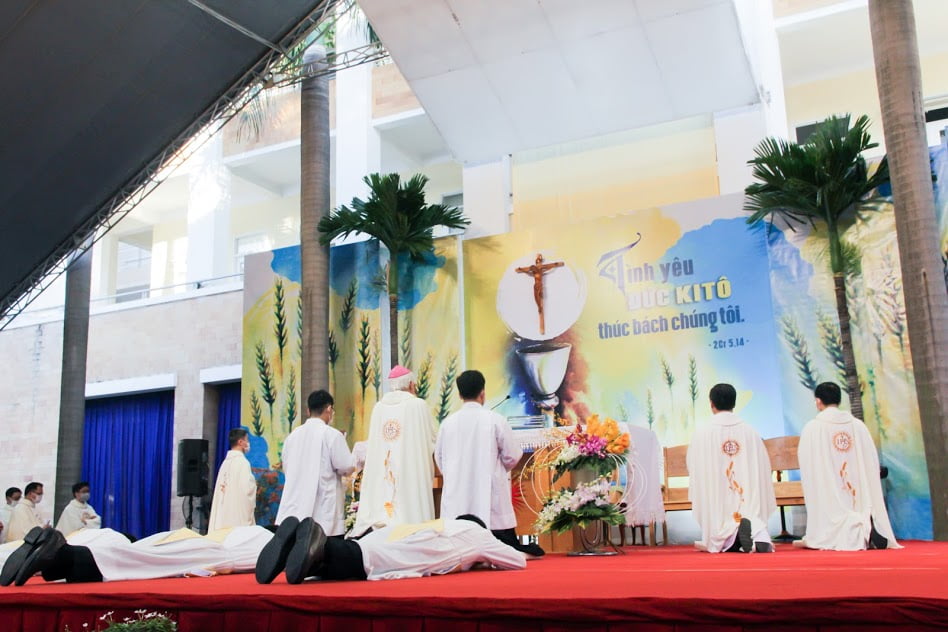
14	503
83	498
39	499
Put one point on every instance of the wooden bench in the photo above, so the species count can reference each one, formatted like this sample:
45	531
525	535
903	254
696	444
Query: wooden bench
783	458
674	498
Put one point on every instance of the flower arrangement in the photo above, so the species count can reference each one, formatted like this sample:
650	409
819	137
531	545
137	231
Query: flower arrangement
566	508
145	622
598	446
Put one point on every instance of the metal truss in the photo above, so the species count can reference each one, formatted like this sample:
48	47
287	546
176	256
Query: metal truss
263	75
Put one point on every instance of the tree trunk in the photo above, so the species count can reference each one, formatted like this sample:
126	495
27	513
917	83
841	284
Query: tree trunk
393	327
314	203
846	341
898	76
72	393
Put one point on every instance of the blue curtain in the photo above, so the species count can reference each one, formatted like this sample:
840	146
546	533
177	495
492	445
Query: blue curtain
228	418
126	457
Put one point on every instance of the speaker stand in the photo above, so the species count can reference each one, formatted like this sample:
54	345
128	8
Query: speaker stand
189	519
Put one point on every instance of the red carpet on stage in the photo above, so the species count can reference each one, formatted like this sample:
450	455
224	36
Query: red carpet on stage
655	588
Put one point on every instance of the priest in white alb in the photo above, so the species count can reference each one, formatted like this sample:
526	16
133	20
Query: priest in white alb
399	473
845	510
475	451
315	458
235	489
79	514
730	480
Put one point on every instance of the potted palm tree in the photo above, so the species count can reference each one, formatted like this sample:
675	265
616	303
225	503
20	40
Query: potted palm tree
824	182
396	214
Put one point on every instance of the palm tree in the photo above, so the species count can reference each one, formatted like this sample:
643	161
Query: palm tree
824	179
397	215
898	75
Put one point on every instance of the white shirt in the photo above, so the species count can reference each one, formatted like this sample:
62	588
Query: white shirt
729	479
78	515
457	547
841	486
23	518
399	472
476	450
315	457
235	494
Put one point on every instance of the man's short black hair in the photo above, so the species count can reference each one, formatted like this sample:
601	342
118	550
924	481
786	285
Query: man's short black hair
32	487
318	400
78	486
472	518
13	490
723	396
828	393
235	435
470	384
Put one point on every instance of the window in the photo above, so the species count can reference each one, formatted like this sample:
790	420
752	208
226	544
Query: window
133	266
248	245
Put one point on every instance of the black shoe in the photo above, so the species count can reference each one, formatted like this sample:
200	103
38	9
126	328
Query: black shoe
272	558
35	536
533	550
744	536
876	539
763	547
42	556
307	553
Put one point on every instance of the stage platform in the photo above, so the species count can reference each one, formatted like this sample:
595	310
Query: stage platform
648	588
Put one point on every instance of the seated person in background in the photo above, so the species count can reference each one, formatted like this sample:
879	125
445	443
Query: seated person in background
845	510
475	451
25	515
78	514
13	495
97	555
731	485
436	547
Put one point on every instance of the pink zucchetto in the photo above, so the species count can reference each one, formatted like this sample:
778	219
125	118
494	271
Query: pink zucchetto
397	372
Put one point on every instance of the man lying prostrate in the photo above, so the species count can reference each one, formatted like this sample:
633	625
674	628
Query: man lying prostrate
436	547
106	555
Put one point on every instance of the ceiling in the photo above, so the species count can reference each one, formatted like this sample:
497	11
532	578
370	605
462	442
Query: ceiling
480	69
94	91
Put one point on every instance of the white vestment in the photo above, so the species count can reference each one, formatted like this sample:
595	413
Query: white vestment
235	494
399	473
315	458
644	504
840	471
729	479
5	511
476	450
24	517
78	515
458	546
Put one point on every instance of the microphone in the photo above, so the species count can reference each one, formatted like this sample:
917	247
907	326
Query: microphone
500	402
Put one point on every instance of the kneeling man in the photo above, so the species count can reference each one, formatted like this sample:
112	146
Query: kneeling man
731	486
839	466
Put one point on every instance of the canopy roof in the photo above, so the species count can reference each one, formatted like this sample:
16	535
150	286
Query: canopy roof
96	92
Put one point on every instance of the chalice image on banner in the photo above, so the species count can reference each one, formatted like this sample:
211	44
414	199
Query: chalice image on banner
539	298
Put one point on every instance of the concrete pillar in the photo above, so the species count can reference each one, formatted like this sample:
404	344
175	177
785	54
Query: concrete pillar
210	247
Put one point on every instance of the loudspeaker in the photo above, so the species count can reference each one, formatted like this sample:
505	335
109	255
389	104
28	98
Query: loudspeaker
193	471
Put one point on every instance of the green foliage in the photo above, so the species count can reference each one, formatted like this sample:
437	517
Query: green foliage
365	354
668	377
291	411
279	317
348	305
265	373
825	179
376	365
649	409
693	381
144	621
801	354
424	378
333	349
447	382
255	414
832	342
299	326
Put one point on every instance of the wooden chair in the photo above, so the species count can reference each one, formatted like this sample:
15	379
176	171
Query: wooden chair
783	458
675	498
